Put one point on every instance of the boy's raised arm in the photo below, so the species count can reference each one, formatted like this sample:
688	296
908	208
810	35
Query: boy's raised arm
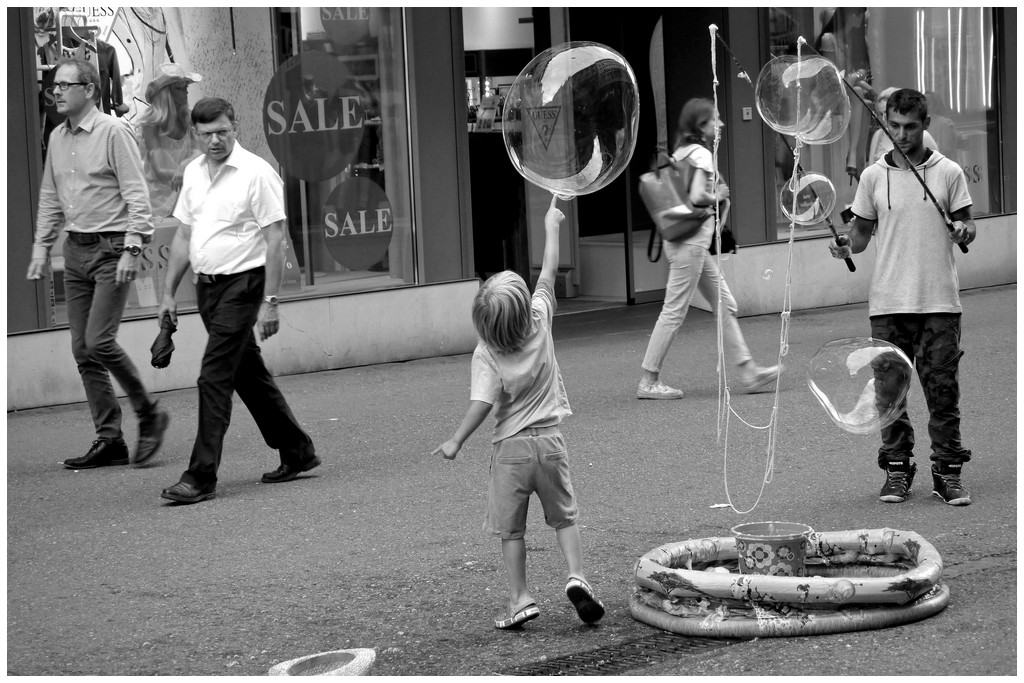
549	266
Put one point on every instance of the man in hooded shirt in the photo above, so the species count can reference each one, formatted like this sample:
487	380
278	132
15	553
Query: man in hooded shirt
914	300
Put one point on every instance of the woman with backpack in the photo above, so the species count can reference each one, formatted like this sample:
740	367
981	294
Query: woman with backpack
691	266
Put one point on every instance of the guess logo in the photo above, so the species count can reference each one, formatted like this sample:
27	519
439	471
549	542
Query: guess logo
544	119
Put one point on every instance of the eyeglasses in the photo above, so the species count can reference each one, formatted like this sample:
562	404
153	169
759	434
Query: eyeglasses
223	133
64	85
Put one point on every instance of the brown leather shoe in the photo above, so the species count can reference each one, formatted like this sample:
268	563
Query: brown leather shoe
102	454
183	492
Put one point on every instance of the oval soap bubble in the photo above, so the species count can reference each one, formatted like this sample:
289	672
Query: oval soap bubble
571	117
804	98
815	198
861	382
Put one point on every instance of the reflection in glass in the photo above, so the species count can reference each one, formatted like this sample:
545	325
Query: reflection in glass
946	53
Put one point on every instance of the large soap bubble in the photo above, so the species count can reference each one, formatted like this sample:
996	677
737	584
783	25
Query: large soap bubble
862	383
804	98
815	198
571	118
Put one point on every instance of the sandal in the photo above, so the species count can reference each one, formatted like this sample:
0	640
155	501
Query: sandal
505	622
589	608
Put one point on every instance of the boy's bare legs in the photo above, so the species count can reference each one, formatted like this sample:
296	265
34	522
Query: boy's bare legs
513	551
588	607
572	549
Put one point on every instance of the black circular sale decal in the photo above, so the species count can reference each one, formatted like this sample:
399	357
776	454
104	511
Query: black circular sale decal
357	223
313	116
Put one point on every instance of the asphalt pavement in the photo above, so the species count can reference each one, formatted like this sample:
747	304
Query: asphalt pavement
381	547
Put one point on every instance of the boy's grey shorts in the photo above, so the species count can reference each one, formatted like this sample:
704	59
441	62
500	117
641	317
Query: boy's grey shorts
532	460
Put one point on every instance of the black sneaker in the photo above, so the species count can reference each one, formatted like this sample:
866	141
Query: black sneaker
897	482
102	453
947	486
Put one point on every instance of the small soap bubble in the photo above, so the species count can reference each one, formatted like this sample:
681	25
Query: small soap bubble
815	198
571	118
861	382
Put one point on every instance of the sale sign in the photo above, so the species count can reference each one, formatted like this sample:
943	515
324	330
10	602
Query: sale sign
313	116
357	222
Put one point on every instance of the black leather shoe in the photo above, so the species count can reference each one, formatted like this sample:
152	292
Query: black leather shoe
101	454
183	492
289	472
151	433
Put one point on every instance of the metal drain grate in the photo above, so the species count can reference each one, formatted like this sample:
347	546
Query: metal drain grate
616	659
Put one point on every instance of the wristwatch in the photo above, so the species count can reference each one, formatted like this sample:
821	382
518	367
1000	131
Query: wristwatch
270	299
133	249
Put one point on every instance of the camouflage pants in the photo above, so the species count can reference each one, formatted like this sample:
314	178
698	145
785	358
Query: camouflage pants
932	342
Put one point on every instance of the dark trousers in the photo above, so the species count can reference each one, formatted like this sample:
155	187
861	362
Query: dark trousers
95	304
932	342
232	363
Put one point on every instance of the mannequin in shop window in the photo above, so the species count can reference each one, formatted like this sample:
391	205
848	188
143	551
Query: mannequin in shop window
87	46
165	136
942	127
843	40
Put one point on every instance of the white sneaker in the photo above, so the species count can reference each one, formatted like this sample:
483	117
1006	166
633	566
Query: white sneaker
657	390
757	378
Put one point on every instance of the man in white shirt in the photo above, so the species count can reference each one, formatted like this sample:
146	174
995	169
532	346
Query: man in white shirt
231	210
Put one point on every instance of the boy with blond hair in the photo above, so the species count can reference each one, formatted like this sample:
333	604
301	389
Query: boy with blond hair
514	369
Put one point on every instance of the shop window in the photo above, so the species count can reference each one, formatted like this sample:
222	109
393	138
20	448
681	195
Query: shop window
341	71
946	53
320	93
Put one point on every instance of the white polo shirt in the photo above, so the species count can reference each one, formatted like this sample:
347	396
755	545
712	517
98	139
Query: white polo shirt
228	214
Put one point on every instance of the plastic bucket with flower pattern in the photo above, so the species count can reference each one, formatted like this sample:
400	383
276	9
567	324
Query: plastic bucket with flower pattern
772	548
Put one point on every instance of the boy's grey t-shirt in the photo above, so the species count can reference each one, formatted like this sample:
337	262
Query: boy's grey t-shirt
915	271
524	387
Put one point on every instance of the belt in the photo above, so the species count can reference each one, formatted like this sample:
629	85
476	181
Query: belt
90	237
224	277
212	279
537	431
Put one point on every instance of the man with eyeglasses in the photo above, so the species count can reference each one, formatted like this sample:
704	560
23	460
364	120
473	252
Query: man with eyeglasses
231	210
93	189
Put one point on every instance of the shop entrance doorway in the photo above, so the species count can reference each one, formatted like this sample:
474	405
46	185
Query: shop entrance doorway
600	254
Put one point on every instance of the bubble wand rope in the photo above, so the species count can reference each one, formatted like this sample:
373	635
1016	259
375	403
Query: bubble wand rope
828	219
723	385
885	129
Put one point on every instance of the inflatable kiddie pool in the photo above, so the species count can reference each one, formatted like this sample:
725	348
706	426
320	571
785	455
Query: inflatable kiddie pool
856	580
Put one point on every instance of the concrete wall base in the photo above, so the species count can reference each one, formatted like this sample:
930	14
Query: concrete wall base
757	274
316	334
